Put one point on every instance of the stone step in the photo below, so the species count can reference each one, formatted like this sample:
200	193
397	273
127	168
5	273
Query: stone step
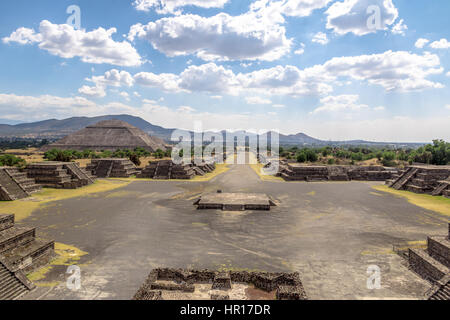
6	221
10	286
439	249
31	255
426	266
15	236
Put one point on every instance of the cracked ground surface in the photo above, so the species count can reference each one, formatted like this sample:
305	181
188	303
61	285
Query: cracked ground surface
329	232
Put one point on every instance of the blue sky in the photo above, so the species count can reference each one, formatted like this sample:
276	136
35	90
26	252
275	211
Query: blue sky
317	67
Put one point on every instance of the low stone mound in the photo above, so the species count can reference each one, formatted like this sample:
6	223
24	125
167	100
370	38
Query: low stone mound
173	284
21	252
112	168
167	169
60	175
14	184
434	180
298	172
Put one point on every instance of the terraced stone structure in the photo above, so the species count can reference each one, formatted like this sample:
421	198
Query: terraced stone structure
434	180
298	172
167	169
174	284
433	264
60	175
21	252
108	135
14	184
112	168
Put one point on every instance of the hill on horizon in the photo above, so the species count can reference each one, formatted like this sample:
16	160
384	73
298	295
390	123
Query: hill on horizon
56	129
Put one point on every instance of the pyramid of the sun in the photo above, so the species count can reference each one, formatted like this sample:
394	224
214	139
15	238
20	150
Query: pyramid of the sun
108	135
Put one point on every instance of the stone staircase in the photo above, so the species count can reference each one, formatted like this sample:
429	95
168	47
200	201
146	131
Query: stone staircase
441	189
20	248
432	264
11	287
15	184
441	290
112	168
403	179
59	175
166	169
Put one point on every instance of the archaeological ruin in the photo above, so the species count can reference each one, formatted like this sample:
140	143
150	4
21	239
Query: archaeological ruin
59	175
167	169
21	252
15	184
234	201
111	168
433	264
174	284
108	135
298	172
434	180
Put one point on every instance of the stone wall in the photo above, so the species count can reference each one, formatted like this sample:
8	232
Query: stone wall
288	285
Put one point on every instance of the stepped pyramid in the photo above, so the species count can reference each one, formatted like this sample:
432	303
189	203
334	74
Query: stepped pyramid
15	184
433	264
434	180
112	168
108	135
20	252
60	175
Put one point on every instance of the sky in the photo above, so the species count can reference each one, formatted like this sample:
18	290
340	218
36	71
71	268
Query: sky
377	70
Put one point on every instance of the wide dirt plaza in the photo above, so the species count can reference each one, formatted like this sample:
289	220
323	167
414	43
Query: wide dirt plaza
329	232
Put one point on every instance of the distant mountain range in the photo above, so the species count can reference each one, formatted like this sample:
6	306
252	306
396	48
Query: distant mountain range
55	129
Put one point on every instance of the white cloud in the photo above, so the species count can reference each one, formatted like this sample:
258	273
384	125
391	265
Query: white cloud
400	28
171	6
394	71
351	16
216	97
23	36
300	50
320	38
165	81
448	74
339	104
220	37
293	8
420	43
278	106
93	91
441	44
208	78
257	100
113	78
136	94
185	109
125	95
62	40
447	107
380	108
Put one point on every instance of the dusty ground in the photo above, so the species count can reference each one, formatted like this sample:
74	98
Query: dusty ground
329	232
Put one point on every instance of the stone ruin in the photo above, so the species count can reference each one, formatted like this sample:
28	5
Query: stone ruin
172	284
112	168
298	172
234	201
21	252
434	180
167	169
433	264
108	135
14	184
60	175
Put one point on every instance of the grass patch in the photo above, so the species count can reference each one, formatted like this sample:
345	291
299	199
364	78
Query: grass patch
257	167
66	255
437	204
23	208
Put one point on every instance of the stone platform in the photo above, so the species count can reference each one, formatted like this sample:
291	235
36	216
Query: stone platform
179	284
59	175
235	201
